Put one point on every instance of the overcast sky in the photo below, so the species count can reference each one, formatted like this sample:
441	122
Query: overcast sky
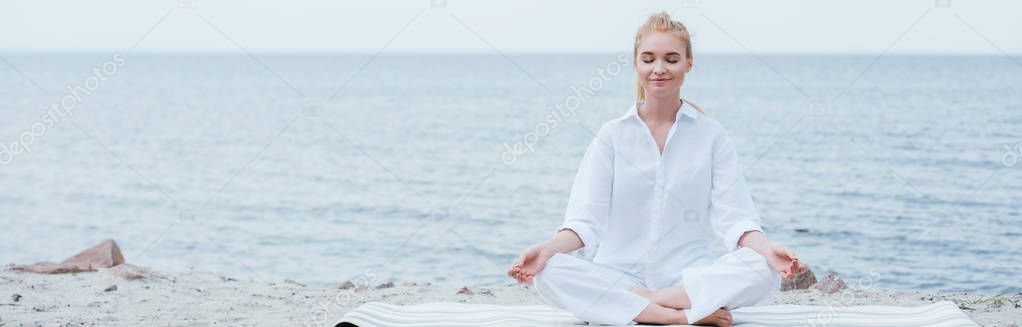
519	26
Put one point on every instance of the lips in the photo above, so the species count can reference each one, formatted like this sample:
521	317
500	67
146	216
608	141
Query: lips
659	81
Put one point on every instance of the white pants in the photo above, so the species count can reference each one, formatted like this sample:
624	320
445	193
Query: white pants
600	294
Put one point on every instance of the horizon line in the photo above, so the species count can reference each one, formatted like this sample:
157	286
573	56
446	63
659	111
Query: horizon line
481	53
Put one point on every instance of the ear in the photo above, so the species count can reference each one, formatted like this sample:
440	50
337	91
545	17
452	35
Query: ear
689	69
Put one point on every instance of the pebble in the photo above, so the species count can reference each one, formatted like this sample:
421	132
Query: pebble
831	284
800	281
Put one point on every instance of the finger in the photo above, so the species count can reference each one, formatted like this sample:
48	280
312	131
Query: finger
522	259
790	254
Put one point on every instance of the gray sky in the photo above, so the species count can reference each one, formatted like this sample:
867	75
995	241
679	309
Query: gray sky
520	26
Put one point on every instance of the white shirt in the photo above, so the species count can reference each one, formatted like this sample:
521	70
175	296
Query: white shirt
653	215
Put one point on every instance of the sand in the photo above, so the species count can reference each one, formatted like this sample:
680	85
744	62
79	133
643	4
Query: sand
199	298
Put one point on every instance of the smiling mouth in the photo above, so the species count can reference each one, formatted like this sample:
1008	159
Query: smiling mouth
660	79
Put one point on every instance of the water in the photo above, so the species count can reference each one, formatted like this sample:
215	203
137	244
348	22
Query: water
211	162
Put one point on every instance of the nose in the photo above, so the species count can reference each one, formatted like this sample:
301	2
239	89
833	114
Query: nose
659	68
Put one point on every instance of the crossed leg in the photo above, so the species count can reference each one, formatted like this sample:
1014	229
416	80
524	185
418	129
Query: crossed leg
671	297
673	300
658	314
601	295
736	279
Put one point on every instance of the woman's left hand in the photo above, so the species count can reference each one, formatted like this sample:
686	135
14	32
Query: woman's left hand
782	260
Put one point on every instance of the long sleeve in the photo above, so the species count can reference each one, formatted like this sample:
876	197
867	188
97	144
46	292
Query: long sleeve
732	212
589	204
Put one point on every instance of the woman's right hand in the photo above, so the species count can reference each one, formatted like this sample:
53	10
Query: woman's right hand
530	263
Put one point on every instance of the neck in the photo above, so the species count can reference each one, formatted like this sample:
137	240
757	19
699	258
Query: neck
662	108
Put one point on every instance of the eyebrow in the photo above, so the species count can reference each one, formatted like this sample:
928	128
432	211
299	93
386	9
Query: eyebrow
668	54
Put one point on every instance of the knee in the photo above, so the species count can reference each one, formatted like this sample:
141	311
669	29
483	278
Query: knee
766	281
545	283
762	282
759	265
551	269
763	286
554	271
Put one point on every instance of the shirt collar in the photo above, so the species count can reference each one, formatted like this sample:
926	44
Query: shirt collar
685	110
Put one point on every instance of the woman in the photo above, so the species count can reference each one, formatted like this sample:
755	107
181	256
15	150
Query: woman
656	188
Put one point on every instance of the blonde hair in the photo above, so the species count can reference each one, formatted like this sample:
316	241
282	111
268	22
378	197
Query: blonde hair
661	22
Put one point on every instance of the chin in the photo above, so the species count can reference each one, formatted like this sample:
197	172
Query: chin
661	91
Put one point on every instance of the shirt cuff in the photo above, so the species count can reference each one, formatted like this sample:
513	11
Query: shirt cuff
735	233
586	234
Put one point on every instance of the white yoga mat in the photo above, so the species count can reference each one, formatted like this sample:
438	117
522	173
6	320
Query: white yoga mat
446	314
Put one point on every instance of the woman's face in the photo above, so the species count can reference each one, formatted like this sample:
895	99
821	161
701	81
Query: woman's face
661	63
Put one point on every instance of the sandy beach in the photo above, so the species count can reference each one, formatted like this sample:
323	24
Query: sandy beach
284	165
201	298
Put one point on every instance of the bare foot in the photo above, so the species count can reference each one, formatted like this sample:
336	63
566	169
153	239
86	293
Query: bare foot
656	314
721	317
673	297
643	291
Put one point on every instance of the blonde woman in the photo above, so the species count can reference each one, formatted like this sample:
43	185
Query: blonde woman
656	189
